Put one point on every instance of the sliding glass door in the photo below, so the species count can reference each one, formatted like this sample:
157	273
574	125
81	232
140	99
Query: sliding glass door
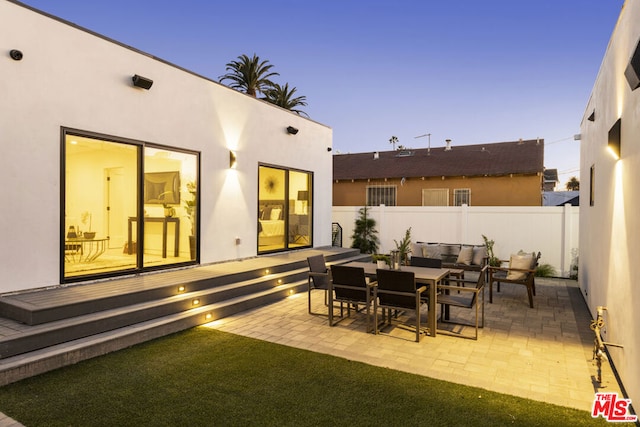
284	208
126	206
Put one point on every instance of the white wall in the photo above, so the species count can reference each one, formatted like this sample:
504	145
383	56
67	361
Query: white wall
72	78
610	229
551	230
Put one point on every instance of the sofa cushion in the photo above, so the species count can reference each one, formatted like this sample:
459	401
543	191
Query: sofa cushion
465	256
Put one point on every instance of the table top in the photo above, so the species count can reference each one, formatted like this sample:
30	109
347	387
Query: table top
421	273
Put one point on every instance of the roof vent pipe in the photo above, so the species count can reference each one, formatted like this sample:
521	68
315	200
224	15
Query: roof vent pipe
448	147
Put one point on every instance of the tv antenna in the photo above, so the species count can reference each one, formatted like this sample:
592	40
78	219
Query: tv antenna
428	135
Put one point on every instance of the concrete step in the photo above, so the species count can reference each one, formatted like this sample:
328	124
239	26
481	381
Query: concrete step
74	337
18	367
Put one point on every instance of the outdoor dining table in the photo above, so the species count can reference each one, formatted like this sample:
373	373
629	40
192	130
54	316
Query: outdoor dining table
428	276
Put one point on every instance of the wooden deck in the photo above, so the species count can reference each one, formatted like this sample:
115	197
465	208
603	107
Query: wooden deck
44	329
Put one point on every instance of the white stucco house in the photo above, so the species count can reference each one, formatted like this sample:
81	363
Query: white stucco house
116	162
610	200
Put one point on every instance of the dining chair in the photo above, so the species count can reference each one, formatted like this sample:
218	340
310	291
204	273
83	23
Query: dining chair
319	278
467	297
396	290
348	285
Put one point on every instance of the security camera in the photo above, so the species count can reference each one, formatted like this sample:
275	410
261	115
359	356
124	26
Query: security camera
15	54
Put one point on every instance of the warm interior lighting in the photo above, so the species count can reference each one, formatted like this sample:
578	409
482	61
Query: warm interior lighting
233	160
279	281
266	271
195	301
208	316
181	288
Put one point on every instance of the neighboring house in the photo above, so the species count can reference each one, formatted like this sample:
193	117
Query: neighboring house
609	183
561	198
498	174
550	179
108	174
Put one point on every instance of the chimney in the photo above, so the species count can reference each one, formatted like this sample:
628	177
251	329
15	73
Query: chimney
448	147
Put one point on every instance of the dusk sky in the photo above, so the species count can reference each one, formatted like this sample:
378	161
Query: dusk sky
472	71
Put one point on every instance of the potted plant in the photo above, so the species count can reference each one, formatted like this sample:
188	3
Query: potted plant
85	218
404	246
381	260
190	207
365	234
169	211
494	261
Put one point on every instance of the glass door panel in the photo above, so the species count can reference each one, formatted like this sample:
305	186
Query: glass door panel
170	206
100	193
272	208
299	209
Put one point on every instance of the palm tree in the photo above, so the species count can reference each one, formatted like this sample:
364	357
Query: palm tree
573	184
249	75
283	97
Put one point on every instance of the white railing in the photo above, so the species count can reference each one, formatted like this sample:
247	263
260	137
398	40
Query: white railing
551	230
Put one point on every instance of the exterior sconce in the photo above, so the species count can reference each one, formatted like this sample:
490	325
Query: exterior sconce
632	72
291	130
233	160
142	82
15	54
615	139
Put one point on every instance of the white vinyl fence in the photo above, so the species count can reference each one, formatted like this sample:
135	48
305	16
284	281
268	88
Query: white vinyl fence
553	231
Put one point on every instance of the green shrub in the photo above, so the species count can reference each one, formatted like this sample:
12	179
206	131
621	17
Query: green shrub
546	270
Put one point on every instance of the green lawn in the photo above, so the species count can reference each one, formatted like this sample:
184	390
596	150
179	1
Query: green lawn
204	377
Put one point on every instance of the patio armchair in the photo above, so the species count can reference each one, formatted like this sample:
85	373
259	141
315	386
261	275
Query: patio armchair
348	285
471	297
521	271
396	290
319	277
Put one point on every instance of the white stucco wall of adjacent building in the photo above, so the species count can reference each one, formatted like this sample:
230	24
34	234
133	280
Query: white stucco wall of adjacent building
70	77
610	228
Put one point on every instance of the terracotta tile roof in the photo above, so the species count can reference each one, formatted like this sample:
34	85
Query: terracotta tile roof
502	158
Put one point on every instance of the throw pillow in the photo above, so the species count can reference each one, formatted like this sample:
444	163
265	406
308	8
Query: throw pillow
465	256
521	262
416	249
275	214
266	213
479	254
431	251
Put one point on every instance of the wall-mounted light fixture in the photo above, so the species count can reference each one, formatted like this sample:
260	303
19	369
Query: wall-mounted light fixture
615	138
142	82
15	54
291	130
632	72
233	159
